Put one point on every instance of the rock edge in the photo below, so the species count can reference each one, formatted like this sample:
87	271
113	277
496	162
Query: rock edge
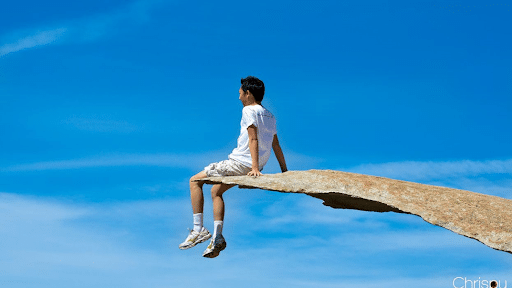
478	216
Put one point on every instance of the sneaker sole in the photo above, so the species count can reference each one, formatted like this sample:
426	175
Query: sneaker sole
214	253
201	240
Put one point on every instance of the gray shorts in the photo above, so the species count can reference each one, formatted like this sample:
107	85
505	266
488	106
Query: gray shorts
226	168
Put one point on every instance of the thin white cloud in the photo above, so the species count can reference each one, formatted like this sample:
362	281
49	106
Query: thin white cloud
492	177
79	30
49	243
37	39
192	161
417	171
165	160
101	124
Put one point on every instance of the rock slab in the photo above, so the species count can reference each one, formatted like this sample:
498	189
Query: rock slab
485	218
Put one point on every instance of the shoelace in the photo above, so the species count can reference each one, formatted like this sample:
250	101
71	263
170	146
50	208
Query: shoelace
190	233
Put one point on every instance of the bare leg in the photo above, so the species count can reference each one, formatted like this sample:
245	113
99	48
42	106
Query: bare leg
218	201
196	192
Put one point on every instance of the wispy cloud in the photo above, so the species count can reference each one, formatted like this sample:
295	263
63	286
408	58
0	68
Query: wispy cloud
37	39
165	160
193	161
51	243
48	243
84	29
101	124
492	177
415	171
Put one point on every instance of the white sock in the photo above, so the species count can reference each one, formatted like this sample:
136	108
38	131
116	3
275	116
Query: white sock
218	227
198	222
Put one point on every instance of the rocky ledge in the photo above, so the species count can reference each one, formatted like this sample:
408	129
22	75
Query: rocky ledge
485	218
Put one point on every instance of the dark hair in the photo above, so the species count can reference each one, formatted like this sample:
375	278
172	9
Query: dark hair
254	85
494	283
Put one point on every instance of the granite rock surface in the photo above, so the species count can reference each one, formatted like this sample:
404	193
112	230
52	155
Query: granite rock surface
485	218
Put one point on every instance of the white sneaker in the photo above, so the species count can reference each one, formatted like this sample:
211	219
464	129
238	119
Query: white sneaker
195	238
216	245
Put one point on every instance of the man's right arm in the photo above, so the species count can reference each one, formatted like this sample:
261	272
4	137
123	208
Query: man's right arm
279	154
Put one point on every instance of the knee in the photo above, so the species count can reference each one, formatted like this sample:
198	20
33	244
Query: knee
194	183
197	177
216	193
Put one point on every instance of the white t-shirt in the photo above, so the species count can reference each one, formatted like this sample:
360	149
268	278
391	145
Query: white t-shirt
265	123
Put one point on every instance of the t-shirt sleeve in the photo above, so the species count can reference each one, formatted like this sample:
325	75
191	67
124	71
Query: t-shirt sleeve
248	118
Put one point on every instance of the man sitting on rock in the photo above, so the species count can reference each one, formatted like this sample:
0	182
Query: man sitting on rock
258	136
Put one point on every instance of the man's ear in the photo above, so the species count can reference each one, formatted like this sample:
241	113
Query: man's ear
250	94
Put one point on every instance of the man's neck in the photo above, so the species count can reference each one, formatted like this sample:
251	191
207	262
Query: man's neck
252	104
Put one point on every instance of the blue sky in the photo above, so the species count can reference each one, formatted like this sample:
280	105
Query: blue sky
108	107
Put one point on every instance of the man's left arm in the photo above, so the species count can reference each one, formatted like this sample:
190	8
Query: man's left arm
253	147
